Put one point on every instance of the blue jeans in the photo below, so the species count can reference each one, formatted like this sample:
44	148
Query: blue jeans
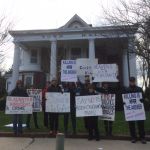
17	123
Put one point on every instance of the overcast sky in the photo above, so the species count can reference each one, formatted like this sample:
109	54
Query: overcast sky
47	14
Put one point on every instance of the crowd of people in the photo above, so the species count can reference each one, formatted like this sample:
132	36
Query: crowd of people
51	120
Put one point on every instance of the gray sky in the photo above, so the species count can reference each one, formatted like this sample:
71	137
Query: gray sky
47	14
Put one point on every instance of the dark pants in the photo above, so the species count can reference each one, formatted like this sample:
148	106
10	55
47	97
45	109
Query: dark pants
46	114
132	128
108	127
54	118
17	123
34	118
92	126
73	121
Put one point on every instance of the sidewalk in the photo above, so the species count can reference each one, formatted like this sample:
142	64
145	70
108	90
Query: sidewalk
70	144
78	136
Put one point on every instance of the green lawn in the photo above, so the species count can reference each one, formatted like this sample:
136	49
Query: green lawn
119	127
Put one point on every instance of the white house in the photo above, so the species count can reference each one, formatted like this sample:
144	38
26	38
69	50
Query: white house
38	53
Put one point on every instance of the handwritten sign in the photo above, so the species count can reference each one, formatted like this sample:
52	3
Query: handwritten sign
108	107
57	102
37	99
18	105
105	73
68	71
85	65
88	106
133	108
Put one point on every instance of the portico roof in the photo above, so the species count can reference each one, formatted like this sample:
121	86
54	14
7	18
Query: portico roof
75	28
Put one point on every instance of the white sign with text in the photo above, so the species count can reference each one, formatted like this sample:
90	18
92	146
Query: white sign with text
37	99
88	106
105	73
57	102
133	107
68	71
19	105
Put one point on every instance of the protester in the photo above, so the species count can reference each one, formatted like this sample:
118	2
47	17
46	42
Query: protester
34	116
92	121
54	117
106	90
133	88
19	91
72	90
46	117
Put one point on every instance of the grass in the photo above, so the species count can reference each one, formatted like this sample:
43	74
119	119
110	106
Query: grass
120	126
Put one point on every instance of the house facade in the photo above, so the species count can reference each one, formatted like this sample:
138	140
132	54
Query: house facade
38	53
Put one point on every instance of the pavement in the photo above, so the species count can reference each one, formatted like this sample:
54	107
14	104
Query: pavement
21	143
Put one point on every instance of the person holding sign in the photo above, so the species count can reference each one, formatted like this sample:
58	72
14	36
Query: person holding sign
54	117
46	114
19	91
105	91
92	121
133	88
34	114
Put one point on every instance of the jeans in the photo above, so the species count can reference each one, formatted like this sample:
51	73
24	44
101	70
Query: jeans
17	124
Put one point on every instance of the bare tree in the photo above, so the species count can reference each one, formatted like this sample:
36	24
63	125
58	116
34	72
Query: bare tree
135	13
5	26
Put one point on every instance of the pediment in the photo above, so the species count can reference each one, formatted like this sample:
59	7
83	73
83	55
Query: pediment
76	22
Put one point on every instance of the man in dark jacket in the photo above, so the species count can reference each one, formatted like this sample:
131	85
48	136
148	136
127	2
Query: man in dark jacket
133	88
54	117
106	90
19	91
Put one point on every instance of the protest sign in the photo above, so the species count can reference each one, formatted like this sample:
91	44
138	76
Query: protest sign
88	106
108	107
105	73
19	105
85	65
68	71
37	99
133	108
57	102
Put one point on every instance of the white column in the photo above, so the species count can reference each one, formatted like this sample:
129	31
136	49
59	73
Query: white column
132	58
53	60
91	48
16	63
125	68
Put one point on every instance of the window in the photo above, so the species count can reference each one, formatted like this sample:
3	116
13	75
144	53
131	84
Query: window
33	56
28	81
75	53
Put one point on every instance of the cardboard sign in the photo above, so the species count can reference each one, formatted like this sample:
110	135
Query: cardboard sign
88	106
37	99
85	65
19	105
133	108
108	107
105	73
57	102
68	71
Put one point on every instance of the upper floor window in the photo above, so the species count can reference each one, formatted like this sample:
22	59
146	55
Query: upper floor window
33	56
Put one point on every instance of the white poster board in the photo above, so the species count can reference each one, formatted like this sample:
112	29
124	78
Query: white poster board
37	99
19	105
133	108
57	102
85	65
105	73
68	71
108	106
88	106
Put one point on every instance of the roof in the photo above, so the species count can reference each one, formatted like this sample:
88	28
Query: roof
75	24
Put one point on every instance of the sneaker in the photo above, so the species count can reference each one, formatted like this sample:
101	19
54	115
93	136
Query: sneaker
90	138
133	141
143	141
97	139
